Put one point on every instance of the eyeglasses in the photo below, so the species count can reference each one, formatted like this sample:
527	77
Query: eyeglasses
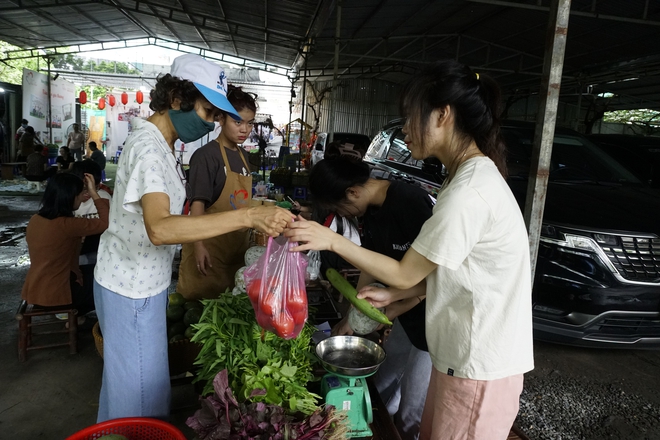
184	178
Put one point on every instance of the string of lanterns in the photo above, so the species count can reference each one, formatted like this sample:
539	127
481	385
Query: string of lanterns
139	98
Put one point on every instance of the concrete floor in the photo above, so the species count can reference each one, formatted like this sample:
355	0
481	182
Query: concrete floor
53	394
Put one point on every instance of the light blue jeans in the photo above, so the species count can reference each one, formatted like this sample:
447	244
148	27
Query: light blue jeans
403	380
136	375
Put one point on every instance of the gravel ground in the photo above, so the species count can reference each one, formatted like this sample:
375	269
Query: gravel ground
556	407
591	394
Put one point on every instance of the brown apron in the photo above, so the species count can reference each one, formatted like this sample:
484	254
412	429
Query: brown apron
227	251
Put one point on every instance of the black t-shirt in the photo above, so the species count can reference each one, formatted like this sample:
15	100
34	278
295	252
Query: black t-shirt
207	171
65	162
390	230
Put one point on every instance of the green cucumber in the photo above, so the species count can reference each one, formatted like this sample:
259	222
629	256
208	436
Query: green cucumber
349	292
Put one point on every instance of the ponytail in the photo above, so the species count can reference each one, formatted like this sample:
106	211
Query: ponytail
474	99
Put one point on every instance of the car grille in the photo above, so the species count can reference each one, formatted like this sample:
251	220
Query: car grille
638	259
622	326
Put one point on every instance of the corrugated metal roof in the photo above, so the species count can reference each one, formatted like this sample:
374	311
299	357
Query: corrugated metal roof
608	40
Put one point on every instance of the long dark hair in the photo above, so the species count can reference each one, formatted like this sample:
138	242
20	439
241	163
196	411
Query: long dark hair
168	88
60	196
330	178
474	99
87	166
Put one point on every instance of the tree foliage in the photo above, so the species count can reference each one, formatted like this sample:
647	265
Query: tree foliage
642	121
12	71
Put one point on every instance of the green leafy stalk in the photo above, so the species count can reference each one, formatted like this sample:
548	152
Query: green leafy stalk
231	339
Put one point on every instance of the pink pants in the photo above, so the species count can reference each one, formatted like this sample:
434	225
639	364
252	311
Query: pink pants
467	409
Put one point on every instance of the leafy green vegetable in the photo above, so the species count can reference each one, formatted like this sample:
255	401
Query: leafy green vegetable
231	339
222	417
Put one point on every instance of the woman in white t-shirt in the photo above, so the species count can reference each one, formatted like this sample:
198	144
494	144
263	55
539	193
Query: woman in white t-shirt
473	253
134	265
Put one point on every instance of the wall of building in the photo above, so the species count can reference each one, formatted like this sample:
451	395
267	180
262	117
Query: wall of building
362	106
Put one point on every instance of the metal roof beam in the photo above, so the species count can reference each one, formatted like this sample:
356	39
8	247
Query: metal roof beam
96	22
203	17
27	38
138	42
200	34
231	34
132	19
167	25
642	20
37	12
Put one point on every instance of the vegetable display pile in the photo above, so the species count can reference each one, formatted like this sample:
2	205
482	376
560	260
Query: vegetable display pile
232	339
181	315
223	417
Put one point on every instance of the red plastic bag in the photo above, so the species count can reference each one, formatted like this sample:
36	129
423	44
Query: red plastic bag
275	284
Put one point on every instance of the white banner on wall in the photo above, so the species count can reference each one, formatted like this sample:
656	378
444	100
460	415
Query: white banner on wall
35	105
118	118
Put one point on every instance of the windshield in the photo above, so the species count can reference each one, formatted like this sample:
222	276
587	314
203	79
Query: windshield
574	159
389	145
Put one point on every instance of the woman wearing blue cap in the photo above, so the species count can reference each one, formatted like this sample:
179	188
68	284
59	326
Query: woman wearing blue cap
134	267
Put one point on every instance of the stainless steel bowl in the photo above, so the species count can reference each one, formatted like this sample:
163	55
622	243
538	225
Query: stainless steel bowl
350	355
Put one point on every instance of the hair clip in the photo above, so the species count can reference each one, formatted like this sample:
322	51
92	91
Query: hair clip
477	75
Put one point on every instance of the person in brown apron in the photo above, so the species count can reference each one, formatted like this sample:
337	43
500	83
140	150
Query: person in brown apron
220	181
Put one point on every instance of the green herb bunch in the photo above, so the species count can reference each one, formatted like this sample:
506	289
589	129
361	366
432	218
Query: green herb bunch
231	339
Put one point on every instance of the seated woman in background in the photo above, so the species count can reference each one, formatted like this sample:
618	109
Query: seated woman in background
37	168
53	236
64	160
87	209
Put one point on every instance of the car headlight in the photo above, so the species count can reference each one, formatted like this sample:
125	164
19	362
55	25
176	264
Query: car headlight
580	244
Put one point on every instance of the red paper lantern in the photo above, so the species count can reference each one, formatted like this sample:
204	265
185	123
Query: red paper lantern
139	97
124	98
82	98
101	103
111	100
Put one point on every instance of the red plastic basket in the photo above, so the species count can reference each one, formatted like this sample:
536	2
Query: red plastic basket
135	428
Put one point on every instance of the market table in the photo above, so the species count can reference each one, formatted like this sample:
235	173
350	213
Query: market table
7	169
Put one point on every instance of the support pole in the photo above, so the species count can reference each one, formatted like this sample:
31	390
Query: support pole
331	119
545	122
303	111
49	121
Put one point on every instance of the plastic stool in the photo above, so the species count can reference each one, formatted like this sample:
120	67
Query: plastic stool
34	186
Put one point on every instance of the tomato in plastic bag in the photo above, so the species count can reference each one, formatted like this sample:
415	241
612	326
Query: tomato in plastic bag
275	284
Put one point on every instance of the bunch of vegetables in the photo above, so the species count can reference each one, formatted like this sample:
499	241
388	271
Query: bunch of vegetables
232	339
222	417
